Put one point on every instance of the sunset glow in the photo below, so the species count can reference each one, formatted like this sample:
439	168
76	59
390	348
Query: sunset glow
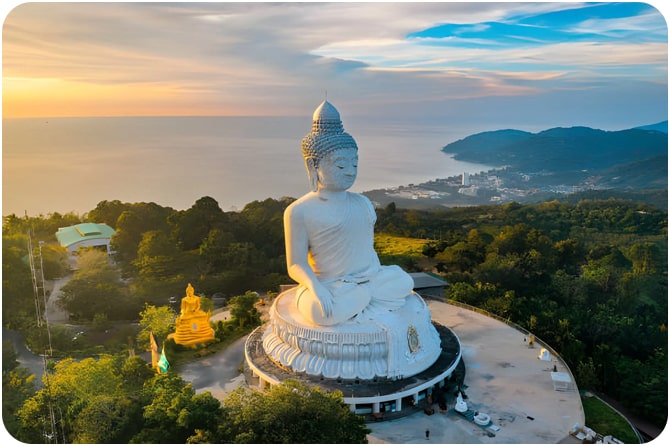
220	59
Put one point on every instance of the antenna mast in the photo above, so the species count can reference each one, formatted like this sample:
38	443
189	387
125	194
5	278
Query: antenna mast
39	292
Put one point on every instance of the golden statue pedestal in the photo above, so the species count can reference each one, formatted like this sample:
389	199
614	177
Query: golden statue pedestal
193	324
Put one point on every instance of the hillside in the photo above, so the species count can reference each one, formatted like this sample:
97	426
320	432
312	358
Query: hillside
548	165
660	127
560	148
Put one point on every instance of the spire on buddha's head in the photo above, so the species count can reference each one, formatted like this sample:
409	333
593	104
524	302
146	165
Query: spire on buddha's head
327	134
326	113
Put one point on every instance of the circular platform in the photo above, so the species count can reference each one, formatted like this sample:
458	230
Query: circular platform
360	394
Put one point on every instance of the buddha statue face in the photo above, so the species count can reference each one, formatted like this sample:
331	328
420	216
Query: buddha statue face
327	136
337	170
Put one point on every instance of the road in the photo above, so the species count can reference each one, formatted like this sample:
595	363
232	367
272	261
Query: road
54	314
219	373
34	363
31	361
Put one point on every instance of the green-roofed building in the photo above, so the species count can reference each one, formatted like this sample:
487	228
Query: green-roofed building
85	235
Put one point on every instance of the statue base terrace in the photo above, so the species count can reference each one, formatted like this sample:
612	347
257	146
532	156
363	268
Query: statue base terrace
381	343
377	399
193	329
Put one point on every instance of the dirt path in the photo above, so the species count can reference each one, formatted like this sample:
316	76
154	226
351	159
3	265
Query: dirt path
55	314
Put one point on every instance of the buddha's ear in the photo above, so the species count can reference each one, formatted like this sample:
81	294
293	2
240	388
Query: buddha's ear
312	172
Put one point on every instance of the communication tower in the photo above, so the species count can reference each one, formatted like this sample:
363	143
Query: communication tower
39	291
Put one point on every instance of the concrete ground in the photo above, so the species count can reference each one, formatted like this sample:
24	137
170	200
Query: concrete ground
505	379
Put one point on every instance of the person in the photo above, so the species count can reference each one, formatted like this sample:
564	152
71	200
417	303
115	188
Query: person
191	303
329	234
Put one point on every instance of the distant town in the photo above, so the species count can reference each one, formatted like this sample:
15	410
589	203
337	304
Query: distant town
494	186
548	165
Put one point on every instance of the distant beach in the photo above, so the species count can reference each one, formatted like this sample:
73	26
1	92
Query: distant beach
71	164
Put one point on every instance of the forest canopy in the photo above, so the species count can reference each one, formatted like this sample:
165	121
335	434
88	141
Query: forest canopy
589	278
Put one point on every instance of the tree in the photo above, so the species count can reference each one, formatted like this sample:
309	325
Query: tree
460	256
501	305
133	221
586	374
96	288
134	372
124	242
18	384
214	245
243	309
105	419
645	258
107	212
157	256
568	254
156	320
293	413
647	379
461	292
54	260
243	256
174	414
261	223
18	299
191	227
67	391
203	416
603	274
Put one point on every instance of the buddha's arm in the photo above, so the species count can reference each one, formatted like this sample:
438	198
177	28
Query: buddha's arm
297	260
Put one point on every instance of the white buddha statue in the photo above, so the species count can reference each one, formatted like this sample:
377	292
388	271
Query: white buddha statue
349	316
330	234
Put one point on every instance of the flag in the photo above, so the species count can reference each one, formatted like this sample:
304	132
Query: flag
155	356
163	363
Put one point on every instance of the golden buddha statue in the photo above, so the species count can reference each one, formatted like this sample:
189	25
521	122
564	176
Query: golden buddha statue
192	324
191	303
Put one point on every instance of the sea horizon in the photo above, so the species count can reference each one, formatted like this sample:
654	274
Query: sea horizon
68	164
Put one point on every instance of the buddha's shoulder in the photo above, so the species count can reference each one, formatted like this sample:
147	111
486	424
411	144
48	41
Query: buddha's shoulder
302	204
308	197
312	203
359	198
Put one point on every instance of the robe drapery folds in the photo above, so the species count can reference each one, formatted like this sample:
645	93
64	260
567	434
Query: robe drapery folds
342	244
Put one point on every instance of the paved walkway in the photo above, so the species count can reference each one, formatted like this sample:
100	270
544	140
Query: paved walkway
504	379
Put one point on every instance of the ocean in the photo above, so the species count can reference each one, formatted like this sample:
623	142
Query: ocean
71	164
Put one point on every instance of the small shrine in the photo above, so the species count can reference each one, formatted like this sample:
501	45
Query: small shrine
192	324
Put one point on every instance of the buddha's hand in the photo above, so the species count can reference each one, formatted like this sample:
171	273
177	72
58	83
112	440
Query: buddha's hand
325	299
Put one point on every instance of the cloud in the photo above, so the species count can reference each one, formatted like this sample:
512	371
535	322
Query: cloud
280	58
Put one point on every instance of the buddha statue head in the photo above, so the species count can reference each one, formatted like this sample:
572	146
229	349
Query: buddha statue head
327	135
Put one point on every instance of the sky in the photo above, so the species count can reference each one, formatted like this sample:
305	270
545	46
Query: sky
524	65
